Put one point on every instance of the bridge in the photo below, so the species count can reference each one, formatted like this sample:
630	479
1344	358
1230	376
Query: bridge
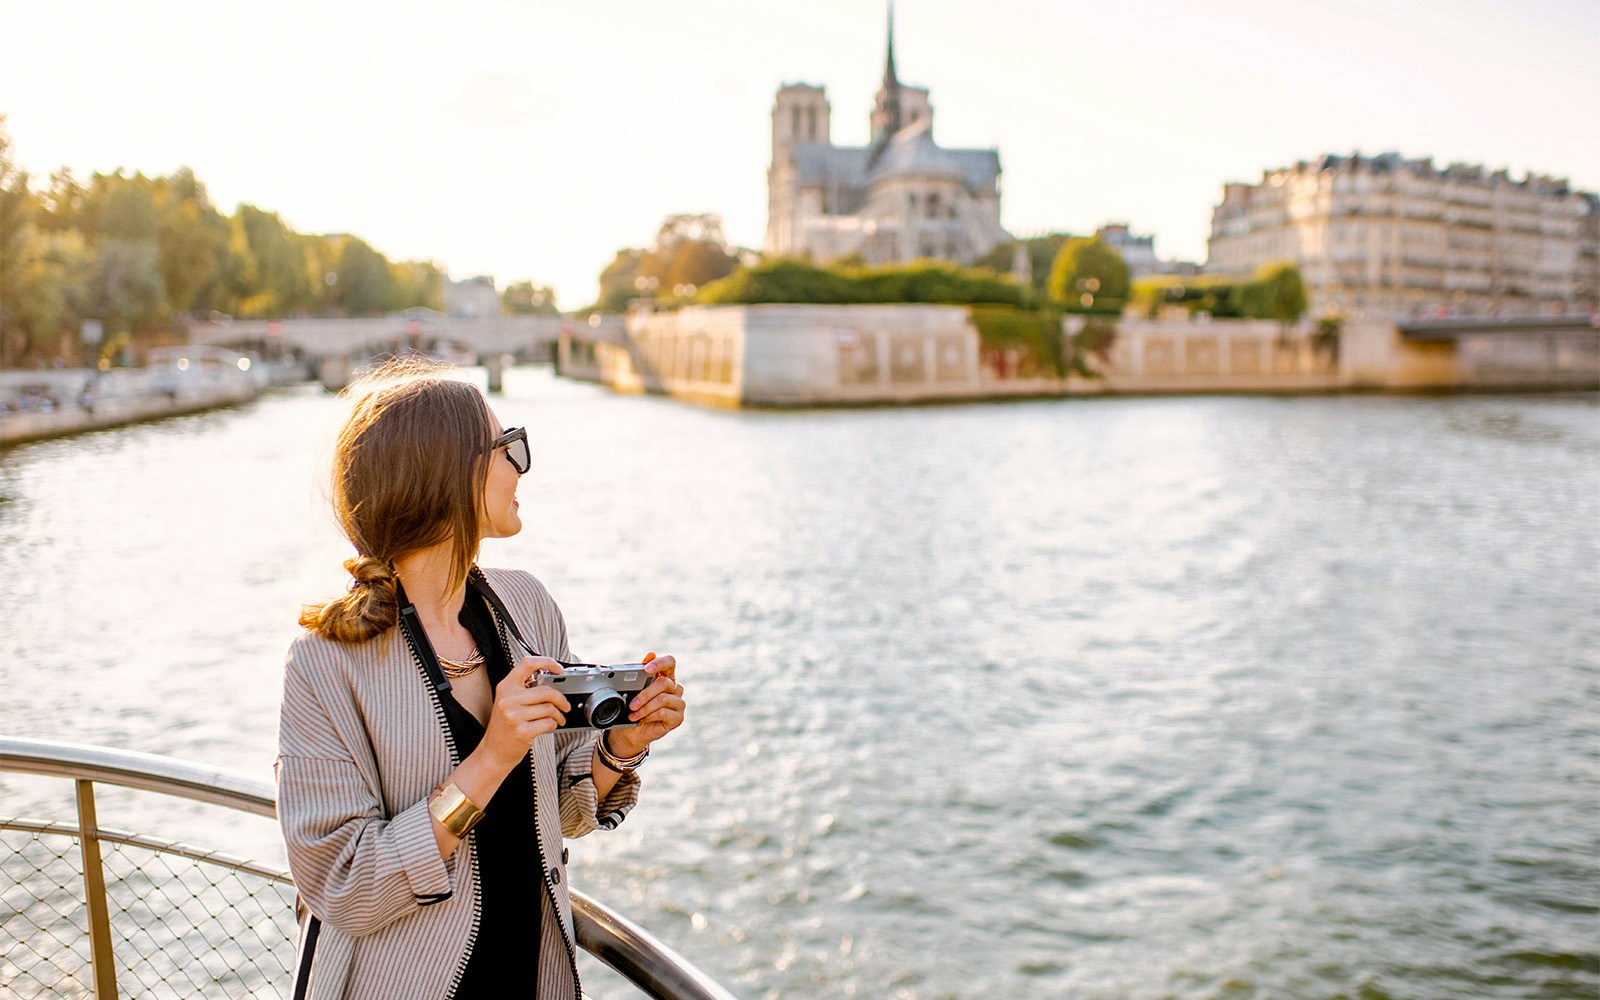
1515	351
335	348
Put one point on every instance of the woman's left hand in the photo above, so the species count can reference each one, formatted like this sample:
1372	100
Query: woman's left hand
658	709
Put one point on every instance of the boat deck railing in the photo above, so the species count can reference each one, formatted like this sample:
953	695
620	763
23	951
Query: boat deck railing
91	911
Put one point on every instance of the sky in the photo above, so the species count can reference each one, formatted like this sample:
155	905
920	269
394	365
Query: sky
533	139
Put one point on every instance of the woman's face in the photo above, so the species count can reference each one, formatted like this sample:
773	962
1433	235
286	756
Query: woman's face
501	519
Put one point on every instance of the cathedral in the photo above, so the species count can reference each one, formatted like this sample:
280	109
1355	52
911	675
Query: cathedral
899	198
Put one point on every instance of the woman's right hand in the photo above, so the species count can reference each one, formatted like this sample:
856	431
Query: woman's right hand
523	711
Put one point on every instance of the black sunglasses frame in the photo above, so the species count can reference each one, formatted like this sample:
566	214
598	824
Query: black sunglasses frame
511	437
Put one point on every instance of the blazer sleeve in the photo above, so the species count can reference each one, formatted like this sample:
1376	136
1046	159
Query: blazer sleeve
356	868
581	810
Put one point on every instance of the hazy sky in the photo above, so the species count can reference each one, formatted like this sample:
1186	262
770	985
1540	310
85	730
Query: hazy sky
532	139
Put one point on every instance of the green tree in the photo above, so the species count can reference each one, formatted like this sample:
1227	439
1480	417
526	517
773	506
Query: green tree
1088	275
271	276
788	279
1042	252
321	257
1283	296
417	283
618	282
62	203
366	286
524	298
125	287
193	241
18	209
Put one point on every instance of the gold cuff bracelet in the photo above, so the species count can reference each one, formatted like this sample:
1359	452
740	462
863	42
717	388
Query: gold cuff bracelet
454	811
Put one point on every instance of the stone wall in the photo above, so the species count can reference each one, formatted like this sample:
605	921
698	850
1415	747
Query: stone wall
1214	356
807	355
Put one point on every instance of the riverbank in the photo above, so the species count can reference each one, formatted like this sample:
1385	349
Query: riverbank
855	355
35	405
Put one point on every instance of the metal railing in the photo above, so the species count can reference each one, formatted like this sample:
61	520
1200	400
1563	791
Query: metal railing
87	911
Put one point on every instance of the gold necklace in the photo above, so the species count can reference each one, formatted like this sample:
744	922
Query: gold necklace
461	668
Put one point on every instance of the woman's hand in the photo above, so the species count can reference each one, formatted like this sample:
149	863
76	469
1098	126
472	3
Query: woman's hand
658	709
523	711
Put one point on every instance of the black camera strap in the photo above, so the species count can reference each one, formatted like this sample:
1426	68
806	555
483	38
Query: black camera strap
417	639
480	583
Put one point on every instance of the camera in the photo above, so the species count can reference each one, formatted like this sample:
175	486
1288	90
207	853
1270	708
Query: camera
599	694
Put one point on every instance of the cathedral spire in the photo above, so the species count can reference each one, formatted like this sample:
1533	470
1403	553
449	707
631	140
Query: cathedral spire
890	79
886	112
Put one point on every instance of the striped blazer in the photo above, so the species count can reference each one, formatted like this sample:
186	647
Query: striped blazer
361	745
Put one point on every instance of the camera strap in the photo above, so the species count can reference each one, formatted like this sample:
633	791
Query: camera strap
481	584
417	639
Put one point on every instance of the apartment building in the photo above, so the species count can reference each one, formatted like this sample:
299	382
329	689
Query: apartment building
1386	236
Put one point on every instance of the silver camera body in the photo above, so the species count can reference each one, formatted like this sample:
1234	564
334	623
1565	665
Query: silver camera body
599	694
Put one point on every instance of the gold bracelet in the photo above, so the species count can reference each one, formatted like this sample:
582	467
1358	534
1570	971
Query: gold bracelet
454	811
621	765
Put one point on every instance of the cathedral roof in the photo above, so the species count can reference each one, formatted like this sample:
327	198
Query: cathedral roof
911	151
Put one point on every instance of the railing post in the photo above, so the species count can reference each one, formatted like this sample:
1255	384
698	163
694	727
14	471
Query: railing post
94	891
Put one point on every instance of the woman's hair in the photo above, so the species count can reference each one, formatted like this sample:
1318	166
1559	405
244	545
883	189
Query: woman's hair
408	472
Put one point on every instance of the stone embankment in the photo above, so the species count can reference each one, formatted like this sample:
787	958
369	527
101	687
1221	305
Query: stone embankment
57	402
814	355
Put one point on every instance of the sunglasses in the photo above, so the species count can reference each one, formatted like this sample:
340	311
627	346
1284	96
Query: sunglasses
515	442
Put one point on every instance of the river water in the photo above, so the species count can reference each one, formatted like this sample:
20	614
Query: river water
1171	697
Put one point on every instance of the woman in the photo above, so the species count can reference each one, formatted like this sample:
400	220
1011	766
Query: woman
423	788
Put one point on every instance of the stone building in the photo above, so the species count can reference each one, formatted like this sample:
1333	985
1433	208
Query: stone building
1138	251
898	198
1387	236
471	298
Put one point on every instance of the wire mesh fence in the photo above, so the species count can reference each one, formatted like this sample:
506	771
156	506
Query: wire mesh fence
43	921
156	918
183	922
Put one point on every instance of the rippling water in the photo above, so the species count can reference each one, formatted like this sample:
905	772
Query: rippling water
1202	697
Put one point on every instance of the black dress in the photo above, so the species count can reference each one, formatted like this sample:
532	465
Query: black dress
505	955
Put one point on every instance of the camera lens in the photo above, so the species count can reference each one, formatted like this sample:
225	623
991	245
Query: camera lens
604	707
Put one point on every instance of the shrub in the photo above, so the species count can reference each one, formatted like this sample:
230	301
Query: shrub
798	281
1036	333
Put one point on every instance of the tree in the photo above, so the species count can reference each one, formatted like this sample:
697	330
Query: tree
193	242
417	283
1042	252
617	281
787	279
126	290
689	253
1283	293
365	286
17	211
1089	275
271	278
524	298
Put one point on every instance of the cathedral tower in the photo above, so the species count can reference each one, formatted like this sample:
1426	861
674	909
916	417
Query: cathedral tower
800	117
